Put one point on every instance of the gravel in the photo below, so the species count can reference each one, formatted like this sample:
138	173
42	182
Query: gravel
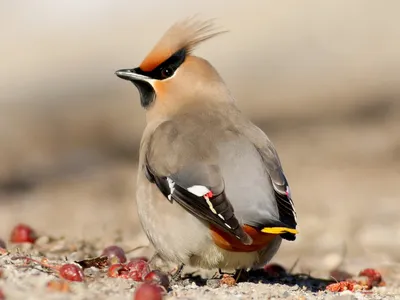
23	280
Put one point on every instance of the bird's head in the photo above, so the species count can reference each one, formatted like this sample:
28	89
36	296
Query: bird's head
170	76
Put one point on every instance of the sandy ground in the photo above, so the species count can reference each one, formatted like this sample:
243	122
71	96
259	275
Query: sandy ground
29	283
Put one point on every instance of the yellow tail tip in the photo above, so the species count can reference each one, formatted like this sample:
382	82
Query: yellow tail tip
279	230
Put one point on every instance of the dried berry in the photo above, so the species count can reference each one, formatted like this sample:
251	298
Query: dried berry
148	291
274	270
118	271
138	269
115	254
58	286
157	277
228	280
3	244
100	262
71	272
341	286
347	285
23	234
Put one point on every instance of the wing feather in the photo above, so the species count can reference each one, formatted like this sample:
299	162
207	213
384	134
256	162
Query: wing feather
181	174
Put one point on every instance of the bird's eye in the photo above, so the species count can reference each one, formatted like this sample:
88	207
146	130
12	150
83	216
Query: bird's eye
167	72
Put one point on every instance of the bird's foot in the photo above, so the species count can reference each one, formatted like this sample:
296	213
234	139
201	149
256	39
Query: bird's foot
153	259
240	275
175	276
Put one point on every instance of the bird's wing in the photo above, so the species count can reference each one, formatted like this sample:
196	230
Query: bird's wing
287	212
186	172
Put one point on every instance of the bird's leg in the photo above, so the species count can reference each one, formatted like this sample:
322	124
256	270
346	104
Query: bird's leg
178	272
226	273
176	275
155	255
238	275
217	274
241	275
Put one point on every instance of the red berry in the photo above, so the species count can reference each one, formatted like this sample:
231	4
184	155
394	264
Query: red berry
115	255
118	270
2	297
71	272
3	244
157	277
138	269
148	291
374	277
23	234
274	270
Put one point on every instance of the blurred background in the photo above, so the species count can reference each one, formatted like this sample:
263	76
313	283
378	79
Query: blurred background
321	78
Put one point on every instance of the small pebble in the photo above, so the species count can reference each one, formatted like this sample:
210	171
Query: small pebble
294	288
213	283
25	246
43	240
286	294
345	297
186	282
58	286
92	271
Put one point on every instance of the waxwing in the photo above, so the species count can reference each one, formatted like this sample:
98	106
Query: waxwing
211	192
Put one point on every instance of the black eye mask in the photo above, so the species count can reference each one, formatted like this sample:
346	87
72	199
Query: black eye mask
167	68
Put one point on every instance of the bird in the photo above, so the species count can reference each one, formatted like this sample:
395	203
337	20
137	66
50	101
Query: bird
211	190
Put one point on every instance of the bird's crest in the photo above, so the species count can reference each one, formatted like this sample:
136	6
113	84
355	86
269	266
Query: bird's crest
186	34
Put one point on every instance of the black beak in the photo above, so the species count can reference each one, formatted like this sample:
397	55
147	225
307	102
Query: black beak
131	74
